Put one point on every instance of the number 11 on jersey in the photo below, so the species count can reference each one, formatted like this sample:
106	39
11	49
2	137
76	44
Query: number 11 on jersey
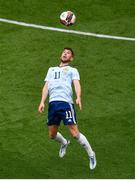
57	75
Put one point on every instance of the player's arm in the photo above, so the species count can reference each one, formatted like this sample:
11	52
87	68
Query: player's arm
77	87
43	98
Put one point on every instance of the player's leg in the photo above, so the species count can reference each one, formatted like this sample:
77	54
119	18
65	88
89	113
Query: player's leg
80	138
84	142
53	125
54	134
70	120
57	136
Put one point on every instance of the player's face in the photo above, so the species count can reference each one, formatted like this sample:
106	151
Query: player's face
66	56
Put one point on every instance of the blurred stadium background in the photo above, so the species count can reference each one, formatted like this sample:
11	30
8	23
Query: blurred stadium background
107	77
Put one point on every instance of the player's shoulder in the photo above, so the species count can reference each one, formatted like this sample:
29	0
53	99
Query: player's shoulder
52	68
73	69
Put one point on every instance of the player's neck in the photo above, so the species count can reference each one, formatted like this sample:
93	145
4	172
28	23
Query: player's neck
63	64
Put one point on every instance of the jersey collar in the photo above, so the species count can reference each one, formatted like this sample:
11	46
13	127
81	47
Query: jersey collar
63	66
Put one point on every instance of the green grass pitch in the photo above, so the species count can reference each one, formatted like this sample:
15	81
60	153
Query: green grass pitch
108	89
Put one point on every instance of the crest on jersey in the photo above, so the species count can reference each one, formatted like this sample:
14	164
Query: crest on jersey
65	70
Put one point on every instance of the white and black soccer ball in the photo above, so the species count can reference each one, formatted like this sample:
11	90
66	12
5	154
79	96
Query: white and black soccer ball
67	18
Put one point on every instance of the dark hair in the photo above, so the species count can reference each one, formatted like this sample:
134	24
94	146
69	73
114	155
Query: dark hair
70	50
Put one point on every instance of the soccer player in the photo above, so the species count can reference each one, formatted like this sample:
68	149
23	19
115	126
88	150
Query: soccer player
58	85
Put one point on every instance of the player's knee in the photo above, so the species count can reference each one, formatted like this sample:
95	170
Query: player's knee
75	134
52	135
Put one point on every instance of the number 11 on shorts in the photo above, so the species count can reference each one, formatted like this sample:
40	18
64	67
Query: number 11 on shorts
68	114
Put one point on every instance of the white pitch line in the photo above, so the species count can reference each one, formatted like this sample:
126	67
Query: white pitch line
65	30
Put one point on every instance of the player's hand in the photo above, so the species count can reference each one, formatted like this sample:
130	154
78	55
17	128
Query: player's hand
78	102
41	107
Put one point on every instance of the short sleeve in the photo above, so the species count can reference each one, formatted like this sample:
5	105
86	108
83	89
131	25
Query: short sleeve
47	78
75	74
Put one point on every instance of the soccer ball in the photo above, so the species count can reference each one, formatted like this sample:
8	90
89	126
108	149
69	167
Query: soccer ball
67	18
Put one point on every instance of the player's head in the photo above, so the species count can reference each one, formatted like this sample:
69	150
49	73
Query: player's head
67	55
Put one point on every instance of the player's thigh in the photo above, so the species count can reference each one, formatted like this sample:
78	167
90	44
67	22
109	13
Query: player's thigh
74	130
68	114
53	118
53	129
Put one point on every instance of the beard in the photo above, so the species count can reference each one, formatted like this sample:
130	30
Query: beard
65	61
